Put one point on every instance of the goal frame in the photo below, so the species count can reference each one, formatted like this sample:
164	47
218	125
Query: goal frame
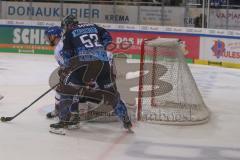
140	93
152	102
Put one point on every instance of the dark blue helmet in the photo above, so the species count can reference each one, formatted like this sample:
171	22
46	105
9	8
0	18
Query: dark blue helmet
69	20
54	31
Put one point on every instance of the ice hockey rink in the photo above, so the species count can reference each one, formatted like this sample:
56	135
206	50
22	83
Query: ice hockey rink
24	77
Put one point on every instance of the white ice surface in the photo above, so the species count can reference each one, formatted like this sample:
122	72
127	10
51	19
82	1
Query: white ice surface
25	77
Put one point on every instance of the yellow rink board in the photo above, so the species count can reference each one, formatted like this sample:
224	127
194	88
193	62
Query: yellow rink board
215	63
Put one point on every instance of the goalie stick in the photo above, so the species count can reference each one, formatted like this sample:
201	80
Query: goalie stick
6	119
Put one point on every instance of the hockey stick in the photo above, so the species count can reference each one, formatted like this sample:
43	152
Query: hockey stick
6	119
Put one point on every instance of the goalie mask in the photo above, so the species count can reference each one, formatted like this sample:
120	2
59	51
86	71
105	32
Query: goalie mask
52	34
69	21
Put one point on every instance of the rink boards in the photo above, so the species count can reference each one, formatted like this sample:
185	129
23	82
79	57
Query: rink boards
203	46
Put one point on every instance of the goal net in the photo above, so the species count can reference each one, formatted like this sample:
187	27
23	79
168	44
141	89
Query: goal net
168	93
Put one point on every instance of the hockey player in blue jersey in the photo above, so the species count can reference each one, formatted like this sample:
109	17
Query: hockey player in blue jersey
84	45
53	35
88	43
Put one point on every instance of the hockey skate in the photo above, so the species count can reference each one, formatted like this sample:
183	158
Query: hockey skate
52	114
1	97
127	124
62	126
58	128
74	121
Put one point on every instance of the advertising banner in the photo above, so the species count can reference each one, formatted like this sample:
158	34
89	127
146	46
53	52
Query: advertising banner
31	38
94	13
130	42
121	14
220	49
209	44
221	18
23	40
84	12
38	11
157	15
192	16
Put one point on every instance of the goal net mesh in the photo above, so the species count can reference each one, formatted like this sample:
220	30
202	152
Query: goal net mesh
168	93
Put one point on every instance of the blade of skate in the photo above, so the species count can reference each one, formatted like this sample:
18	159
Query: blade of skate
58	131
73	127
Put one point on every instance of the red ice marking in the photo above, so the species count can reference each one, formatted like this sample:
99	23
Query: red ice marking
117	141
